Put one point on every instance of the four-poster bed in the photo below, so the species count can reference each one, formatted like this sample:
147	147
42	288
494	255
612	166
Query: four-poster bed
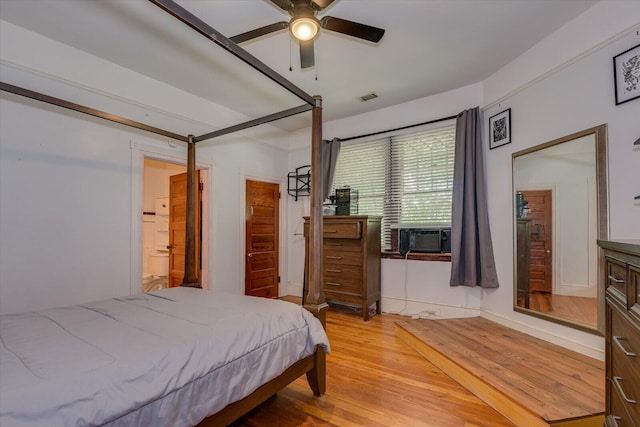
313	365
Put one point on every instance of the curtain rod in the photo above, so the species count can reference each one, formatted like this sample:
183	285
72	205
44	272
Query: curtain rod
443	119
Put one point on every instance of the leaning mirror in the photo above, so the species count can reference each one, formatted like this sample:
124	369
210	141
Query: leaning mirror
560	211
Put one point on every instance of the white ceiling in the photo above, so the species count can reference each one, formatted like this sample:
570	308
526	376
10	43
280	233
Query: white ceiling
430	46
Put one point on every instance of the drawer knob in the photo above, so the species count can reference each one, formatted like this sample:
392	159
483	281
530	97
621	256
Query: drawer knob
616	381
333	284
330	270
617	339
330	231
615	279
334	257
334	244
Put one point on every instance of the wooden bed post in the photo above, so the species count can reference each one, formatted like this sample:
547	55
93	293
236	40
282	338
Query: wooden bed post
190	247
315	301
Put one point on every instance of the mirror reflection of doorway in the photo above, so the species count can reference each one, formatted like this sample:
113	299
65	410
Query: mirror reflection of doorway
543	295
540	212
559	183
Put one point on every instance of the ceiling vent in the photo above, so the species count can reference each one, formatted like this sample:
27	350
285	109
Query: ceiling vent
368	97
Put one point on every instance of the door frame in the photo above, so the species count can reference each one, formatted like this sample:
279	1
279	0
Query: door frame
282	224
172	153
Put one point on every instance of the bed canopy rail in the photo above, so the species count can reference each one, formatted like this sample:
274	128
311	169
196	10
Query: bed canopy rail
314	300
218	38
6	87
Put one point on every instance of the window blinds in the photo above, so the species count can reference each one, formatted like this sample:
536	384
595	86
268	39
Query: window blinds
406	179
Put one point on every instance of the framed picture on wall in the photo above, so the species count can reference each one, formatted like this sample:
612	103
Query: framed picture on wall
500	129
626	75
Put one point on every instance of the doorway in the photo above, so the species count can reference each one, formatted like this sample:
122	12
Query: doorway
159	224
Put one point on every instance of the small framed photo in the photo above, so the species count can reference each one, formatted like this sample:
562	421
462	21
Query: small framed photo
626	75
500	129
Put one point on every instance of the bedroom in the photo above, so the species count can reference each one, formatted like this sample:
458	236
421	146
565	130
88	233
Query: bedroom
105	263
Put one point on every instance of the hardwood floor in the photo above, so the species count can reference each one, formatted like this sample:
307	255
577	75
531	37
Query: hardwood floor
576	309
375	379
531	381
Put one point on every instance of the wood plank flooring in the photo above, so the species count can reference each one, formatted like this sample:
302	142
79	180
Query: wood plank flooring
532	382
576	309
375	379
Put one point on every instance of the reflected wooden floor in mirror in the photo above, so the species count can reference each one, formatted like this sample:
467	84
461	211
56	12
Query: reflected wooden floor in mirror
575	309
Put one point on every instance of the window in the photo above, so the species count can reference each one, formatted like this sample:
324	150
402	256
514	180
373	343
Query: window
406	179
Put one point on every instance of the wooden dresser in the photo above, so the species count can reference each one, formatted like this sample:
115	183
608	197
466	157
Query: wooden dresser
621	278
351	260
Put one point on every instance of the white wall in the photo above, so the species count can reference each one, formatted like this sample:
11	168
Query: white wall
71	185
236	161
562	85
428	281
568	97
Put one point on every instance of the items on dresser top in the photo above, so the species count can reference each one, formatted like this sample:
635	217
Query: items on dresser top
621	279
351	260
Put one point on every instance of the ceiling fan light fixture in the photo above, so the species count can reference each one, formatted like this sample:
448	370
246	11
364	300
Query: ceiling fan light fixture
304	28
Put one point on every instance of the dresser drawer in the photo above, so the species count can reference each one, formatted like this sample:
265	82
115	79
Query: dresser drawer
618	412
338	230
342	230
337	272
350	285
342	245
343	258
616	274
625	362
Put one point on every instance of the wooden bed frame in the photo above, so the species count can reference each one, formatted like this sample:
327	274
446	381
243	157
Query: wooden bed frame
313	366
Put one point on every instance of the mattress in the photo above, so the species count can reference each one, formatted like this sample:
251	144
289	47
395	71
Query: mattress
167	358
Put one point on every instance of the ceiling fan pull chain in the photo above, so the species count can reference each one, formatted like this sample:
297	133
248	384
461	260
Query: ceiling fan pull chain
290	62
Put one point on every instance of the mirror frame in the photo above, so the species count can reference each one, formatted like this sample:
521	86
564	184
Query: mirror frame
602	233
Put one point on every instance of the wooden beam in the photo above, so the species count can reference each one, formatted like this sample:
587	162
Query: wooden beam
190	246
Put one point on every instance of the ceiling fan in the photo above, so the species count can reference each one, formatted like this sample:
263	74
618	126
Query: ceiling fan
304	26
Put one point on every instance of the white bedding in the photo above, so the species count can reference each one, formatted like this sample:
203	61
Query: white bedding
168	358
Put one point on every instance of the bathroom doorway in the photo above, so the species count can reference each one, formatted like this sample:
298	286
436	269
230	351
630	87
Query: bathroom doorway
155	222
156	226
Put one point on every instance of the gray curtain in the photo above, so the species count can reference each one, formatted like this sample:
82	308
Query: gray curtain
472	261
330	150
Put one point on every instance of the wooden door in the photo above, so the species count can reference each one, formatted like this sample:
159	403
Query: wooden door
541	267
261	257
178	225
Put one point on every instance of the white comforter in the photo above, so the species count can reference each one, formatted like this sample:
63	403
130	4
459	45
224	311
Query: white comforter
168	358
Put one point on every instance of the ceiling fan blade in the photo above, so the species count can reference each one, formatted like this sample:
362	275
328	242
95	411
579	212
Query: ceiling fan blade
258	32
306	54
350	28
321	4
283	4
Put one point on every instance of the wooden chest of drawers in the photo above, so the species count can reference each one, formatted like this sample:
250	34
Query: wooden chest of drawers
351	260
622	283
